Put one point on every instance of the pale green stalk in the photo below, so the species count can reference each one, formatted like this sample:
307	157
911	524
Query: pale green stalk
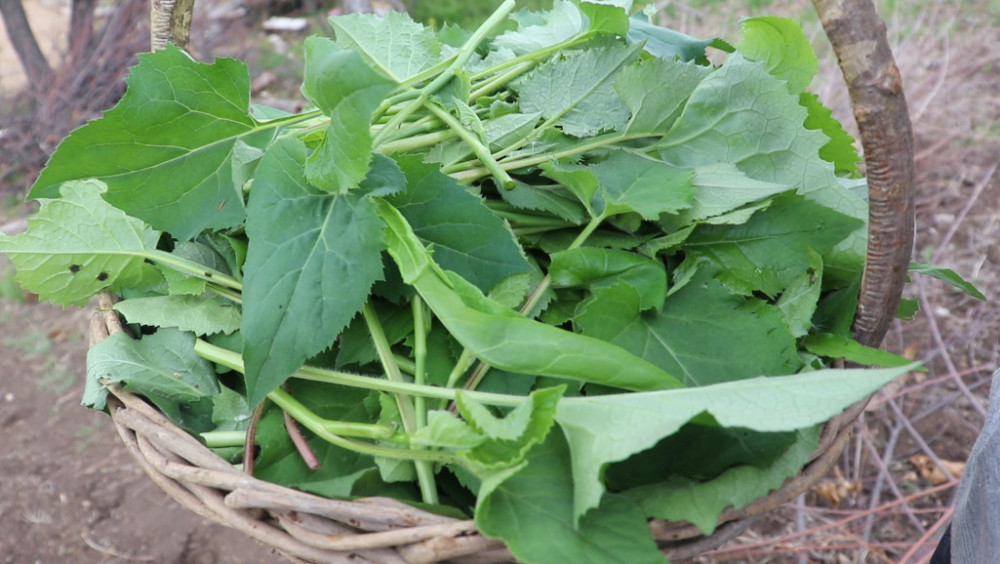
419	356
461	365
192	268
411	144
234	361
318	426
481	151
227	293
533	57
442	79
425	472
388	361
499	81
220	439
469	171
341	428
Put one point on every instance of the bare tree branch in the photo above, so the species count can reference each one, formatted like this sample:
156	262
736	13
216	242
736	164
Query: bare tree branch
81	25
170	21
858	36
35	65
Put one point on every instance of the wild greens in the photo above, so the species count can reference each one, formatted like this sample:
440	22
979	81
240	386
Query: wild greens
528	266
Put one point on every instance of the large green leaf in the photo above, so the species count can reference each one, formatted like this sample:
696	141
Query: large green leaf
621	281
781	44
700	450
539	30
666	43
503	338
701	503
161	366
773	247
722	188
394	44
166	151
341	84
466	236
684	338
788	55
840	149
553	199
608	428
837	346
799	299
654	108
579	181
741	114
312	260
835	310
202	315
78	245
511	437
607	17
647	186
595	267
532	512
576	91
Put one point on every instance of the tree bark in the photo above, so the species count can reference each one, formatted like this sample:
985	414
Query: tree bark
170	22
858	36
35	65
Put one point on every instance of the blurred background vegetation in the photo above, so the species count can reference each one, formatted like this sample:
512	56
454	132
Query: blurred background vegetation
462	12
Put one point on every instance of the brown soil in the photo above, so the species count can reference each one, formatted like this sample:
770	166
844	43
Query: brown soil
69	490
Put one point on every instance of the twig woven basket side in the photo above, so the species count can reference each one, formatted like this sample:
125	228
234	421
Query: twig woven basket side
308	528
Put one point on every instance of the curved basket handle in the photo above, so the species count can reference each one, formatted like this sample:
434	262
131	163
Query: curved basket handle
858	36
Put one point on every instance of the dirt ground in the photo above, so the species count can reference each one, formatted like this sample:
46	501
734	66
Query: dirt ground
69	490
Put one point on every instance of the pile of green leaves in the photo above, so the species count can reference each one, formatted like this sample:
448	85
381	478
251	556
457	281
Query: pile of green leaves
559	273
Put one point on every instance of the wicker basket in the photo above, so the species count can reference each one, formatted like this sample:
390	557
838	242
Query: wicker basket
308	528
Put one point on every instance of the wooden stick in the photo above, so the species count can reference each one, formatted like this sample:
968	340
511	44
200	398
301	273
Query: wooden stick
858	36
170	22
